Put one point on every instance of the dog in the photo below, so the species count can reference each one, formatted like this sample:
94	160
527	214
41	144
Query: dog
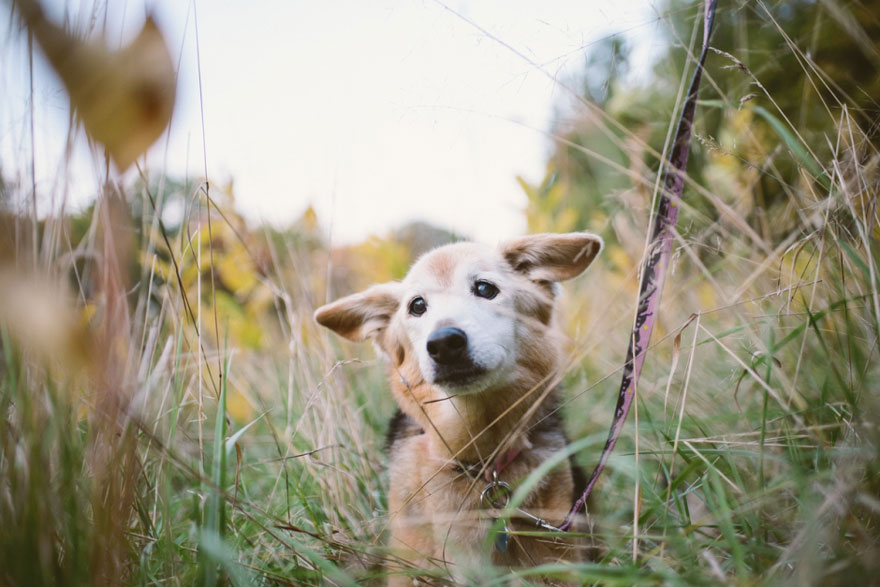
474	359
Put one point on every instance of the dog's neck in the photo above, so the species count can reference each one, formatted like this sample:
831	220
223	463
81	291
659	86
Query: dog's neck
472	428
475	426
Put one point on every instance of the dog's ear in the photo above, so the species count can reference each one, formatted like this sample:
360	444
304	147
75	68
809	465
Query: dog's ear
361	315
552	257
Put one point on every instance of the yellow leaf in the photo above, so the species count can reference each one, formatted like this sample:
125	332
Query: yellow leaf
706	296
237	271
239	407
124	98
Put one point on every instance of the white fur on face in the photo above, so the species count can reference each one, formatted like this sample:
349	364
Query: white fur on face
445	279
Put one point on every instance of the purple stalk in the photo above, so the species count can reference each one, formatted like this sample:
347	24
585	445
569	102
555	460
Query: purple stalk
654	273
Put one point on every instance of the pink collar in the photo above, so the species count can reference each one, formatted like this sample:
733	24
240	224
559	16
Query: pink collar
502	462
492	471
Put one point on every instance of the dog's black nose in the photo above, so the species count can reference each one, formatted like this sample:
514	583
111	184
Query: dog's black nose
447	346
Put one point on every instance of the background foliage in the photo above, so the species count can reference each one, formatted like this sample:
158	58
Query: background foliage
170	413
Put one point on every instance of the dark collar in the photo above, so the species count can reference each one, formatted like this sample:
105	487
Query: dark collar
489	471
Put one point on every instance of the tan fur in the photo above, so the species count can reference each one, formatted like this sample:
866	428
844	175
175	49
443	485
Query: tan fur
434	506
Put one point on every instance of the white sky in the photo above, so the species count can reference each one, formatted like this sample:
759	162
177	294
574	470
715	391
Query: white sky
373	112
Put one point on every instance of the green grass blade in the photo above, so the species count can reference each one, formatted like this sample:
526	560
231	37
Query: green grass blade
794	146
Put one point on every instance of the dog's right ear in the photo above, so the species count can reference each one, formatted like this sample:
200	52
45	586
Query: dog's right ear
362	315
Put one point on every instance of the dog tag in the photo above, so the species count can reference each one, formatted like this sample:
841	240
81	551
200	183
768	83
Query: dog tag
496	495
501	540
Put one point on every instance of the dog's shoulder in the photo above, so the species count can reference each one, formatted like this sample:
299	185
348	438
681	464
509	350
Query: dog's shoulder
400	428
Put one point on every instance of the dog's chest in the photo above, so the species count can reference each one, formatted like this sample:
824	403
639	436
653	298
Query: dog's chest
437	488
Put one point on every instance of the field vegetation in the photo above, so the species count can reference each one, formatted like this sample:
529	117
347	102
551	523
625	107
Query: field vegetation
170	413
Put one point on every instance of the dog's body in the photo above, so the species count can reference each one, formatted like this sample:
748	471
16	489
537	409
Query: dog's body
474	359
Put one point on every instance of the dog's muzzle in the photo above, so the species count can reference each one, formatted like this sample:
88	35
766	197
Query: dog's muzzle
453	365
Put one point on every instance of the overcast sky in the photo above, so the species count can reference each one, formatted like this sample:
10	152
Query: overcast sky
375	113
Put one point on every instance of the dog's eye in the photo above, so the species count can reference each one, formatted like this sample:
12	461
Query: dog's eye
484	289
418	306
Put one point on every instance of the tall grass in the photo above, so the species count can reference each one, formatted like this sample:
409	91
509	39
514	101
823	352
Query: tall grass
145	440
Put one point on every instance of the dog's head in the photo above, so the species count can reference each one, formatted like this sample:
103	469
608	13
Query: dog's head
468	318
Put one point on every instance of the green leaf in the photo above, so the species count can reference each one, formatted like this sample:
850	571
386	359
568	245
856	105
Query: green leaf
795	146
230	442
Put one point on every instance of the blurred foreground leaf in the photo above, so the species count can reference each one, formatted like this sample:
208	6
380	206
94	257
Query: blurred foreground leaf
124	98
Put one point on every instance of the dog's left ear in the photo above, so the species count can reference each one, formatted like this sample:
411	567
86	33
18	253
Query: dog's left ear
552	257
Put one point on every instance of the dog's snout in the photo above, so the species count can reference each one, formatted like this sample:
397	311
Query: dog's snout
447	345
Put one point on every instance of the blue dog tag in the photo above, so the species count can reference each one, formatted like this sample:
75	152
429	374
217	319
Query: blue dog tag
501	541
496	495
